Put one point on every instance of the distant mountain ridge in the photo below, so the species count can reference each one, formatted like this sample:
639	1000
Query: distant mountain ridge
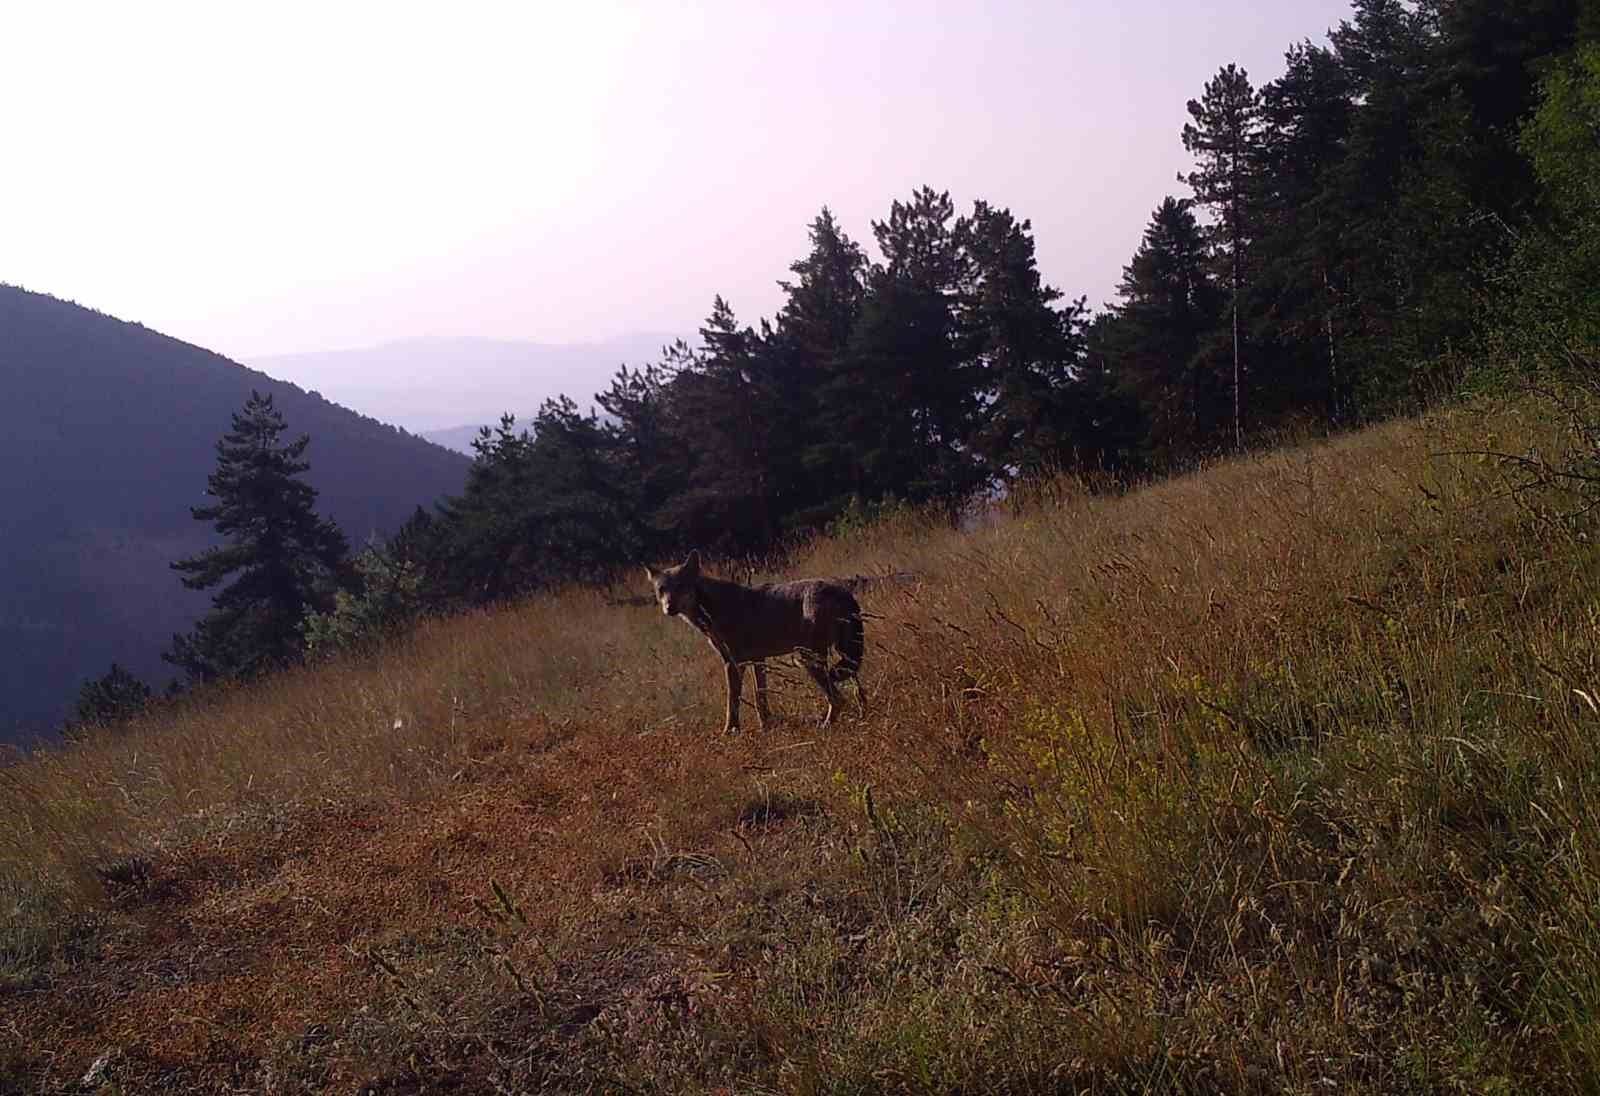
107	435
459	438
444	388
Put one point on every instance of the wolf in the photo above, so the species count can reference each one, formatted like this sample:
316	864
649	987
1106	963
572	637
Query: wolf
749	624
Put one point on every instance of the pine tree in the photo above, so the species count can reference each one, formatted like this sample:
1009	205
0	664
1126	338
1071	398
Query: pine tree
115	698
1171	309
479	542
810	352
1384	53
584	521
284	560
913	394
823	303
1111	430
1026	348
727	410
1223	136
650	460
1306	117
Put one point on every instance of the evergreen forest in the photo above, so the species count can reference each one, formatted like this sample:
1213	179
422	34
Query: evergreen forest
1351	232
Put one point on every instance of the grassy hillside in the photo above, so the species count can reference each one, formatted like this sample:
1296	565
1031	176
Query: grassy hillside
1273	778
107	434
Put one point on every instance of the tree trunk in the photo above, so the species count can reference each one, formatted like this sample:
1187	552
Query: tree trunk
1333	358
1238	417
1238	424
1238	246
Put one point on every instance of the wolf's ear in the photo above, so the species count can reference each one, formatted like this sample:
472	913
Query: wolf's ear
651	575
691	566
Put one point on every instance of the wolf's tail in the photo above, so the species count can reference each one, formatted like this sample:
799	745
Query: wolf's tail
857	583
852	644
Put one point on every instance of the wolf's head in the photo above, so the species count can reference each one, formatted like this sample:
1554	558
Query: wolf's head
677	588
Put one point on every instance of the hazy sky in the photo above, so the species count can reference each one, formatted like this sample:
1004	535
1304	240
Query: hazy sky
279	177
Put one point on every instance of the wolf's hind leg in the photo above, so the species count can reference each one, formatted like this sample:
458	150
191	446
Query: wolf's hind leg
735	686
814	664
846	671
762	710
852	645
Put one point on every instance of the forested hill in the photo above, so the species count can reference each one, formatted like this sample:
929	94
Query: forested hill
107	434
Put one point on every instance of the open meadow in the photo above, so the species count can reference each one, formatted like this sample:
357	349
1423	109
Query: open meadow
1277	777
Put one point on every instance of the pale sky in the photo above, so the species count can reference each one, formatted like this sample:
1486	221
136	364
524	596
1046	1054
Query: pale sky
280	177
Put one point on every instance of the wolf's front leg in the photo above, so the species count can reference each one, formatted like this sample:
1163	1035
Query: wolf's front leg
761	694
735	686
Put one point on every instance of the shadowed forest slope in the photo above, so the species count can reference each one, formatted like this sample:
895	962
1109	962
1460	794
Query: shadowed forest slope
107	434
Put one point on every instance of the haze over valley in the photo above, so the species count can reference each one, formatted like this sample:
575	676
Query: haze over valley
445	388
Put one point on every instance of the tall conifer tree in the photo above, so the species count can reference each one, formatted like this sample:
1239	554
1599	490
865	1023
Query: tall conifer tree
649	458
480	540
918	378
810	346
1170	309
1223	135
284	560
1306	116
727	411
1026	348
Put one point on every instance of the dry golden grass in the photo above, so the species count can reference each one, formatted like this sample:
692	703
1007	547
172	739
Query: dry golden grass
1271	778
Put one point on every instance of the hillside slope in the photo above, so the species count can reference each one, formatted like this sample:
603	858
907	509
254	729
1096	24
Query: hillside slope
107	435
1277	777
